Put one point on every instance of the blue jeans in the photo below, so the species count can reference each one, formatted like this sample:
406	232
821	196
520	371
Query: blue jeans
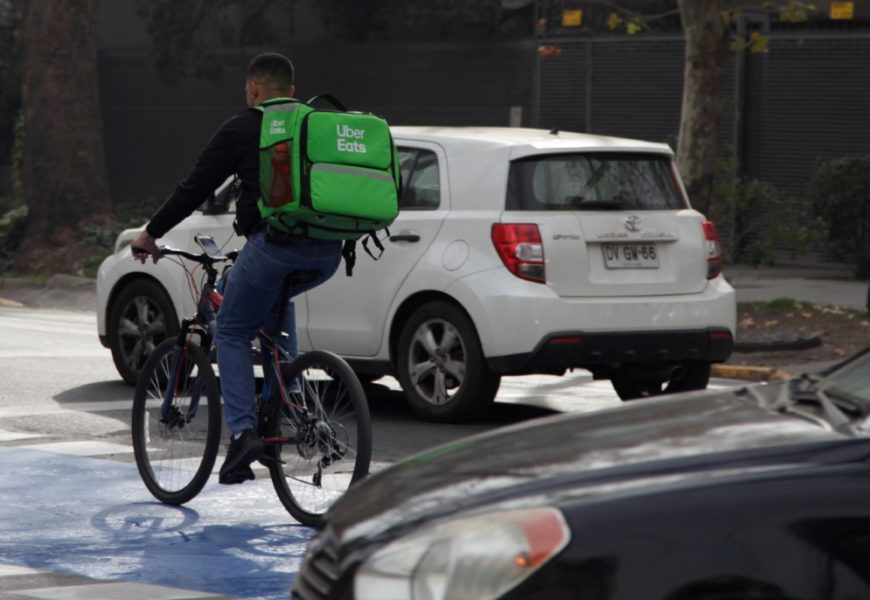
252	300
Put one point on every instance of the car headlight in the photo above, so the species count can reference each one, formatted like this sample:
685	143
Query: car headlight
125	237
479	557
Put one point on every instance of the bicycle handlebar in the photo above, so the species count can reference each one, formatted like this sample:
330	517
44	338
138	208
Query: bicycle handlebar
203	258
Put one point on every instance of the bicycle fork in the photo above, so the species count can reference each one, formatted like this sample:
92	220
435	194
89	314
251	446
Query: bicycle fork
170	415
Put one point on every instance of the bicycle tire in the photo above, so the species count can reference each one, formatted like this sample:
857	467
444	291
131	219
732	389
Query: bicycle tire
333	425
175	459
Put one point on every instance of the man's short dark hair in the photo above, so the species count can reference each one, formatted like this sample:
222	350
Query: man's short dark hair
272	70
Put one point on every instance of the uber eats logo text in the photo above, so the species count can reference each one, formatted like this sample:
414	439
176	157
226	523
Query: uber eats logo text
350	139
277	127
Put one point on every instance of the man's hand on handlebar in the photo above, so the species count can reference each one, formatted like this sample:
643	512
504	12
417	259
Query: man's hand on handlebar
144	246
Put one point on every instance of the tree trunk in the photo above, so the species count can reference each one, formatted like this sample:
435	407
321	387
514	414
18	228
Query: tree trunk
63	164
706	54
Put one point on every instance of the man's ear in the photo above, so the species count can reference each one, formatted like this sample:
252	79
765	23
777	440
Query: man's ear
292	91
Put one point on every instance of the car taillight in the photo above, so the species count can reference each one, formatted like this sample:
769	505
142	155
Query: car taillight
713	249
520	249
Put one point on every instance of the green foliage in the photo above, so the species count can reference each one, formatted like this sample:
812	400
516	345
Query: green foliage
783	303
755	42
103	237
840	189
754	218
795	11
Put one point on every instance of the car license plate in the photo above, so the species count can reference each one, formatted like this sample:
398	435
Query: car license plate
630	256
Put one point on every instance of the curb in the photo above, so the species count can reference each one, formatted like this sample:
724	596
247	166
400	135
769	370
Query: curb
750	373
10	303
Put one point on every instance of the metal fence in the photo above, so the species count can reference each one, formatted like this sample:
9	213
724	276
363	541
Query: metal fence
805	100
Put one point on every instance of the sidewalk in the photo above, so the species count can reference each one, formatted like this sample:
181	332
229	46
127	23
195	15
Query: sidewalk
831	285
826	284
64	292
821	285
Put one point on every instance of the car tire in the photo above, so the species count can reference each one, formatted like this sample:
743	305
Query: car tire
693	375
141	317
444	383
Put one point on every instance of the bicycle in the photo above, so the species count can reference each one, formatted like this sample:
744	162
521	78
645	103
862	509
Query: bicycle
315	424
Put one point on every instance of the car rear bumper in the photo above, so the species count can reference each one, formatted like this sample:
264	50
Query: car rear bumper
601	351
517	322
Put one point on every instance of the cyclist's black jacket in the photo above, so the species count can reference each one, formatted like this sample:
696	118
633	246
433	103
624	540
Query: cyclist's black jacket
233	149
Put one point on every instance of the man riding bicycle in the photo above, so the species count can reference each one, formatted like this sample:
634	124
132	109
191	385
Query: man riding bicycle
253	294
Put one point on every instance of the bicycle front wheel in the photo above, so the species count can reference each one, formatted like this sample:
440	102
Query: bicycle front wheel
176	422
320	439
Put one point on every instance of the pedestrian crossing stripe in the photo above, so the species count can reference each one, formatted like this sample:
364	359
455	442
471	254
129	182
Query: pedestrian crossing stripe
25	582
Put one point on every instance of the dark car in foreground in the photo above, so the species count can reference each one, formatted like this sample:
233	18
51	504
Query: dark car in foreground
758	492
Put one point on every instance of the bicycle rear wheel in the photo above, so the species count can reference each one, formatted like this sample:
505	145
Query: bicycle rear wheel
176	422
323	443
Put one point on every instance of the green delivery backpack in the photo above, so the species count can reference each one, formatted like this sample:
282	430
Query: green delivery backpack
327	173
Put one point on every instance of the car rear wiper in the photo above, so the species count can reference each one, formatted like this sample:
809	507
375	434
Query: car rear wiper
579	203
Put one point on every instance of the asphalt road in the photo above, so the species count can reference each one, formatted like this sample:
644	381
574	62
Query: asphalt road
74	514
76	521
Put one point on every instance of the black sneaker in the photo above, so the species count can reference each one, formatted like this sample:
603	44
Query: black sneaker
243	450
237	475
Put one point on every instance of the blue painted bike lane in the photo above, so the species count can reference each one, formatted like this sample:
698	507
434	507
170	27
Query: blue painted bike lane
94	517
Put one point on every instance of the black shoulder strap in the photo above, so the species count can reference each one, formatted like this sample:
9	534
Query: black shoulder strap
373	236
348	251
329	98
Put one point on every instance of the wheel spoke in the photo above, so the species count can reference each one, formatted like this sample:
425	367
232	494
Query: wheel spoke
156	327
450	339
126	327
440	394
420	370
141	305
135	356
426	338
457	369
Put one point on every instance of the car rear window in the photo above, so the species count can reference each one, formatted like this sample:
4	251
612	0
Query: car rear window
618	181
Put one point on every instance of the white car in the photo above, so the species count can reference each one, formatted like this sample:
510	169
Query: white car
516	251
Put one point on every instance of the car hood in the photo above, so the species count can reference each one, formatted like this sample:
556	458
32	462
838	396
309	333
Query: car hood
648	443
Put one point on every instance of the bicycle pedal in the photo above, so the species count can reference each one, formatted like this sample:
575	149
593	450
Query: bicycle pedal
270	460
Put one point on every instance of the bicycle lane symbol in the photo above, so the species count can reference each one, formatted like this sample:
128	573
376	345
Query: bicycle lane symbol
170	545
145	520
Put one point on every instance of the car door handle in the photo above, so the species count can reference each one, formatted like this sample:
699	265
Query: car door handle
405	237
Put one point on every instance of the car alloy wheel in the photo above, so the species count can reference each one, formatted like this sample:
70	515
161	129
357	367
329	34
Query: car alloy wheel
441	366
141	317
437	361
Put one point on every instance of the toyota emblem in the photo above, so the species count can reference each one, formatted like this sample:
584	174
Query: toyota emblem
632	223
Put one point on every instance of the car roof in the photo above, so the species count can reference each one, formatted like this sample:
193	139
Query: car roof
524	141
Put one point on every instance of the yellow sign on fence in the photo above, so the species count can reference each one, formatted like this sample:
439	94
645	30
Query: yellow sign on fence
572	17
842	11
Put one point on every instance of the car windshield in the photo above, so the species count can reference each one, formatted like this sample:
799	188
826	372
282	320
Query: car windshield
595	181
842	392
851	380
